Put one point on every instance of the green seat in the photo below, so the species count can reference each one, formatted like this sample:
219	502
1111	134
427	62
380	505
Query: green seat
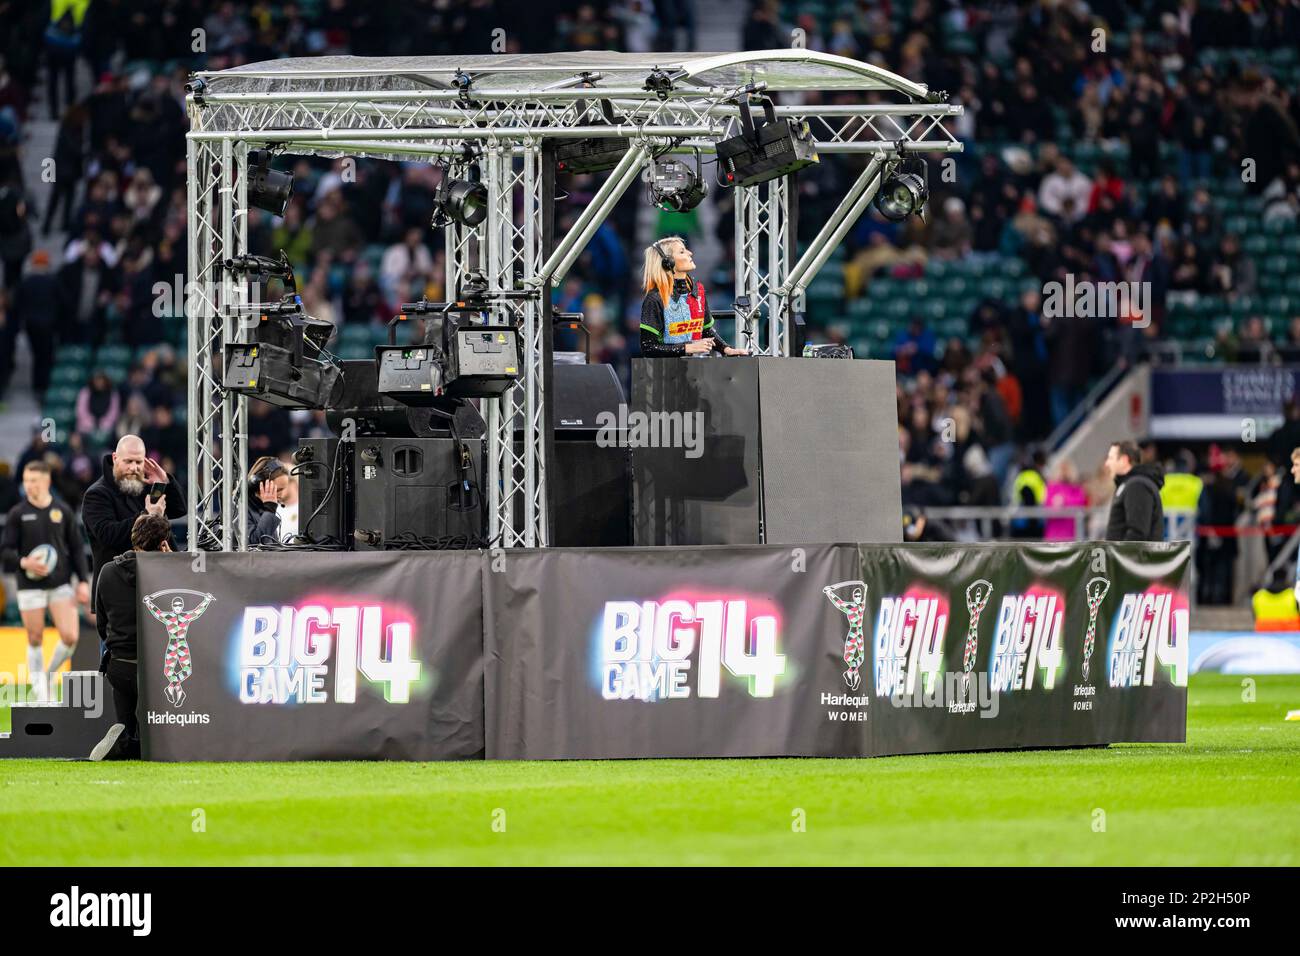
1237	224
117	372
897	309
1256	245
861	308
1243	307
73	354
995	288
62	395
68	375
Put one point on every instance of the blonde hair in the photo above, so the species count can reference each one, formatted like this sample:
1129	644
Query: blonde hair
654	275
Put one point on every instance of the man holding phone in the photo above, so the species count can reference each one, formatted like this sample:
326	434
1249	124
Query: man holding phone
131	485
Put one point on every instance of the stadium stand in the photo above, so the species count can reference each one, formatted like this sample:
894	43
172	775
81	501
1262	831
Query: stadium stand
1105	141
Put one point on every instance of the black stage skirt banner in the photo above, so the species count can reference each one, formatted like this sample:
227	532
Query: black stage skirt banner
311	656
834	650
726	651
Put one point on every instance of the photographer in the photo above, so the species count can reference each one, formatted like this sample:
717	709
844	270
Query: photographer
115	617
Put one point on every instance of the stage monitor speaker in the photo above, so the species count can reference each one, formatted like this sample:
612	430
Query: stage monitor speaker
416	485
579	393
319	464
764	450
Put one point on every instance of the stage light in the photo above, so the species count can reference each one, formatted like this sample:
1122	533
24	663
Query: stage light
903	193
286	363
268	188
461	200
593	154
762	153
675	187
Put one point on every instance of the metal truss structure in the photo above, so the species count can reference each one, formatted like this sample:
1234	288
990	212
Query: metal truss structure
512	110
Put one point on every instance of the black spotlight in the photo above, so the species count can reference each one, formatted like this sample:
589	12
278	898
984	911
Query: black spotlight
461	200
268	188
905	192
675	187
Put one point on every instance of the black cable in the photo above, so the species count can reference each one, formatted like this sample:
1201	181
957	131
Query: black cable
410	541
334	477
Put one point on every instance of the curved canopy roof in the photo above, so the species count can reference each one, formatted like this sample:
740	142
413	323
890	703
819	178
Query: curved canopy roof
781	70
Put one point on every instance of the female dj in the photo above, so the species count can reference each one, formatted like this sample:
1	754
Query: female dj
675	317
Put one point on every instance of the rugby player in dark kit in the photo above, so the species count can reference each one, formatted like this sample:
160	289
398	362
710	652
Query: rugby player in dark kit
43	549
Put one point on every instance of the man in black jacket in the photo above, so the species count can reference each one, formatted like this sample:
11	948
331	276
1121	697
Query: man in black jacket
115	617
1135	511
113	502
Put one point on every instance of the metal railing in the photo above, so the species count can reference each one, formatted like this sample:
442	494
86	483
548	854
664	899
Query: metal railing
985	523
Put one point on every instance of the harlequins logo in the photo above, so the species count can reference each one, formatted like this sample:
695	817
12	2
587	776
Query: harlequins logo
56	515
854	608
176	662
977	596
1095	592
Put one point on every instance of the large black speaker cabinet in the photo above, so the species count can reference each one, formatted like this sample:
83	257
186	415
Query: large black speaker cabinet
763	450
581	394
325	489
416	485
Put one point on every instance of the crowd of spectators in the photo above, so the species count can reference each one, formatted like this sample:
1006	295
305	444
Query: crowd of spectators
1029	75
1039	90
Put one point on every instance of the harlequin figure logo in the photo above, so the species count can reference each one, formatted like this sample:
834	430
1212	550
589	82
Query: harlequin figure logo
977	596
177	620
1095	592
854	608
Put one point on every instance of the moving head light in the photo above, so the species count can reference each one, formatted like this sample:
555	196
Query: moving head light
675	187
762	153
286	364
594	154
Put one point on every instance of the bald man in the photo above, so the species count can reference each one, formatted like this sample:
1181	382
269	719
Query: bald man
112	503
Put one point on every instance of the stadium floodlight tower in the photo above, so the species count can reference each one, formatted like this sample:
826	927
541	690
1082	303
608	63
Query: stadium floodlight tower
512	111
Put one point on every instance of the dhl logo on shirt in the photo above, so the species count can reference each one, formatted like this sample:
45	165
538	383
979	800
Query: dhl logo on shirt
692	327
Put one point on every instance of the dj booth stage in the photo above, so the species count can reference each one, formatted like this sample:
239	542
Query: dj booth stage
725	630
716	622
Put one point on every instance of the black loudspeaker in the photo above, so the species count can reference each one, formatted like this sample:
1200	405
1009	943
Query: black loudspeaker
592	490
321	465
422	486
764	450
579	394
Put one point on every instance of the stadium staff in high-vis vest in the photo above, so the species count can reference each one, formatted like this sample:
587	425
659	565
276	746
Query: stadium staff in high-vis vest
675	317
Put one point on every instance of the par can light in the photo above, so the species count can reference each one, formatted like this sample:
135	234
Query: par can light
268	188
903	194
461	200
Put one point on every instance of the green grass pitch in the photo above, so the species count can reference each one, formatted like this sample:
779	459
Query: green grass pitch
1229	796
